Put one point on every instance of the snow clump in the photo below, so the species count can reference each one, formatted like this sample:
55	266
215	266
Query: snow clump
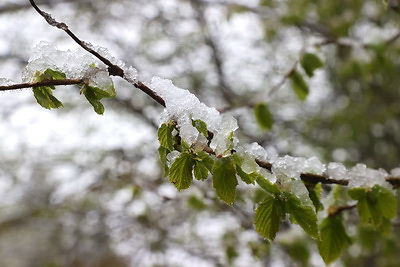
182	107
361	176
74	63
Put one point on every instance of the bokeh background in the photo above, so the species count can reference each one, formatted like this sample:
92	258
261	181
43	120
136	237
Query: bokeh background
79	189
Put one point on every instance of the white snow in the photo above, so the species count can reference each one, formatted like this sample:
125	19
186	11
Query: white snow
336	171
395	172
5	82
361	176
289	166
257	151
183	107
130	74
74	63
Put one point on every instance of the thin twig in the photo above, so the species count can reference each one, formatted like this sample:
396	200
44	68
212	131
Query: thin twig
43	83
113	69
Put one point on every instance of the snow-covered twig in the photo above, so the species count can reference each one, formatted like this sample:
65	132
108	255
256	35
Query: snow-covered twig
113	69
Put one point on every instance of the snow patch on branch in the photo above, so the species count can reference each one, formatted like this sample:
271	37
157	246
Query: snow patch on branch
73	63
183	107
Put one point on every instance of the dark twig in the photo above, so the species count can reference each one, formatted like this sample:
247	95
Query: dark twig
113	69
44	83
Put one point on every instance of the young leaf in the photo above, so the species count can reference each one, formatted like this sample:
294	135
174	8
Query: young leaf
44	97
201	126
333	239
263	116
304	215
205	159
310	63
267	217
367	206
50	74
200	171
314	192
162	151
248	178
299	85
267	185
224	179
93	99
386	201
165	136
180	173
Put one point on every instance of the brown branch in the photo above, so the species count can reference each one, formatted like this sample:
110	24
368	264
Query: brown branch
43	83
113	69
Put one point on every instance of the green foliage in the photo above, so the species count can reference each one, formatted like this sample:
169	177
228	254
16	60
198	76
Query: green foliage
268	216
224	179
334	239
314	192
248	178
299	86
43	94
44	97
196	203
267	185
165	136
201	126
180	173
374	204
94	94
263	116
305	216
310	63
163	152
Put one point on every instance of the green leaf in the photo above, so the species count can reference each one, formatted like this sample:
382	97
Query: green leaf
386	201
201	126
94	94
267	185
304	215
314	192
374	204
165	136
44	97
224	179
299	85
196	203
205	159
248	178
200	171
333	239
163	152
310	63
263	116
180	173
50	74
267	217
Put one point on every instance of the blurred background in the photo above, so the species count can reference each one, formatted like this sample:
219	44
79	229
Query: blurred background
79	189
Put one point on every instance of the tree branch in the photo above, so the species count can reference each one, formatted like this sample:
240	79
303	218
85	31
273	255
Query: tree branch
118	71
43	83
113	69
